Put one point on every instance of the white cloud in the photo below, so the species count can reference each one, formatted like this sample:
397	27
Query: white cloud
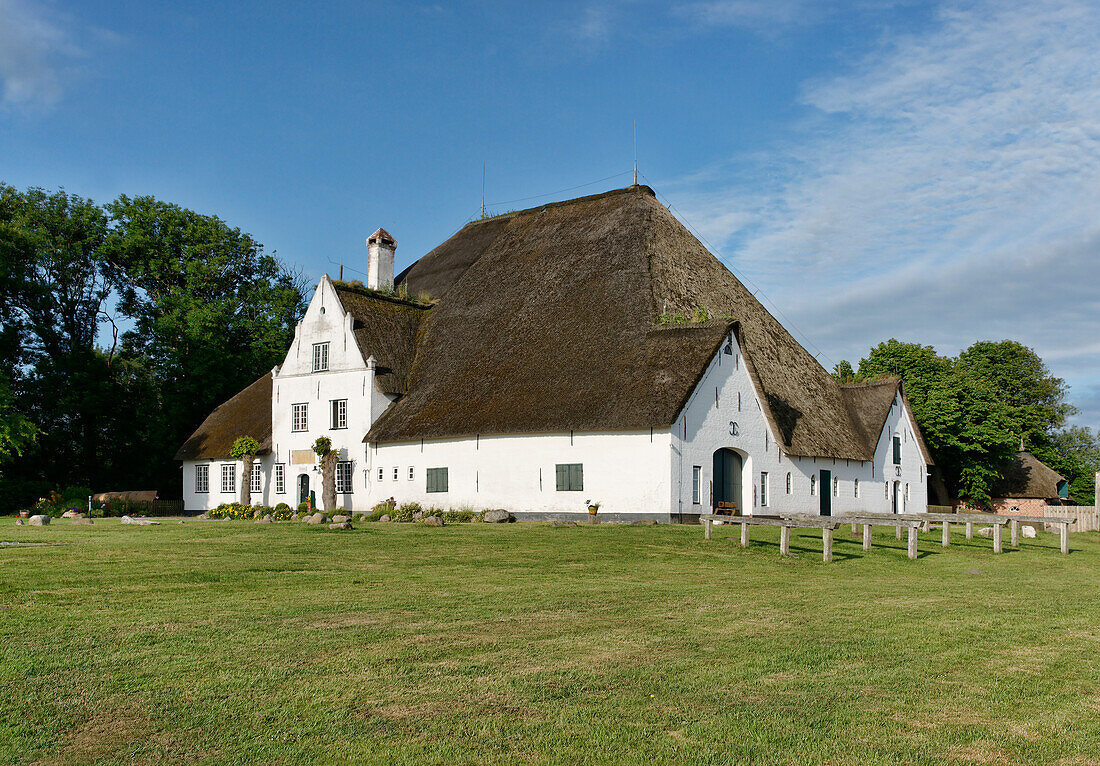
752	14
38	54
946	189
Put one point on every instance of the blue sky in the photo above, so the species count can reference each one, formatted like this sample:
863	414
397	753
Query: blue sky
928	171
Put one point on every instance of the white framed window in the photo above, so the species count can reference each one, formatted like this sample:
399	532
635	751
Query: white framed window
897	450
396	471
836	487
339	413
320	357
788	482
381	474
437	480
229	478
299	417
280	479
696	482
855	487
412	473
202	478
343	477
813	485
906	491
255	483
763	489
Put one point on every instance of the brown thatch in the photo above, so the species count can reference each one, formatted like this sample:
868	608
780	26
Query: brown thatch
545	322
130	496
385	328
869	405
1026	476
246	414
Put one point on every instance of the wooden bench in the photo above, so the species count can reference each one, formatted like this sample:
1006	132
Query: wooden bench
825	523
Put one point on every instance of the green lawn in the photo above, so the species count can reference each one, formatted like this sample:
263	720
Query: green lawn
233	642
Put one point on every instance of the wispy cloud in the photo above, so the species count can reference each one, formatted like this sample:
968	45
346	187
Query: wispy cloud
751	14
945	188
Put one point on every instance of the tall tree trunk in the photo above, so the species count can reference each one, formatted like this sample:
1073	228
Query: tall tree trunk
246	480
328	481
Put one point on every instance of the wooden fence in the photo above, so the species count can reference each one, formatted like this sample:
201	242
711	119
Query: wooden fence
1088	518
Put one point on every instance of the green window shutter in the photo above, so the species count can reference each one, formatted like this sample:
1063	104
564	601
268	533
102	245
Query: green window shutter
562	472
443	480
576	477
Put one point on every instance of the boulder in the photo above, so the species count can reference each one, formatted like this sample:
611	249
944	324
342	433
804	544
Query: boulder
644	523
267	519
82	520
986	532
19	522
294	516
432	521
139	522
317	518
341	525
68	514
418	515
340	519
563	523
497	516
384	517
1027	531
226	518
39	520
204	515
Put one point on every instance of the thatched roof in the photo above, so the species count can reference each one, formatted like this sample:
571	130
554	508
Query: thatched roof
869	405
1027	477
385	328
246	414
545	323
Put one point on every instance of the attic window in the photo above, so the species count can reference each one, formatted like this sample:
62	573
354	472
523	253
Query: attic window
320	357
728	350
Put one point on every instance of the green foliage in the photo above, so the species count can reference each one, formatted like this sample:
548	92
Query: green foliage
322	446
381	509
843	372
236	511
244	445
456	515
405	511
304	507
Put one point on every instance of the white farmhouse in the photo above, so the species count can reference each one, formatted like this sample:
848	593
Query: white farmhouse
584	351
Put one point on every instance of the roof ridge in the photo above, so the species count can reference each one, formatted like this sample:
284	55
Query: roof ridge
887	380
562	203
367	292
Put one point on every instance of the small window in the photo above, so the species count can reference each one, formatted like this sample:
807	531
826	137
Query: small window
339	413
320	357
255	485
788	482
202	478
381	474
696	481
763	489
299	417
280	479
411	473
855	487
907	491
813	485
395	472
343	477
836	487
437	479
570	477
897	450
229	478
887	490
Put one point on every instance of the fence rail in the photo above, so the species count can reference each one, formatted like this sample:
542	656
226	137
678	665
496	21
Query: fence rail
1088	518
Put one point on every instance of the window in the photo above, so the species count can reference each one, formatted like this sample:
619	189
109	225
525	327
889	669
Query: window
887	490
855	485
788	482
280	479
813	485
343	477
411	473
255	484
437	479
696	481
907	491
381	474
763	488
339	413
202	478
836	487
897	450
320	357
229	478
299	417
570	477
395	471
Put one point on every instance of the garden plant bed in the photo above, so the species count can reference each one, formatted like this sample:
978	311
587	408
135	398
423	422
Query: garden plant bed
232	642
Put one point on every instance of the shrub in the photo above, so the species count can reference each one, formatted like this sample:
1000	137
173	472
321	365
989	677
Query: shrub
281	512
458	515
231	511
76	496
381	509
405	511
303	507
322	446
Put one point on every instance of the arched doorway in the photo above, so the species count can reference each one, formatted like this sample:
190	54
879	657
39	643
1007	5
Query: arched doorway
898	502
303	487
726	484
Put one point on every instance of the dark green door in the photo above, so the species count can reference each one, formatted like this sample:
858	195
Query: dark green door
826	493
726	485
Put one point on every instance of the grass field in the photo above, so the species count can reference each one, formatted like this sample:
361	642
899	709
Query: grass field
232	642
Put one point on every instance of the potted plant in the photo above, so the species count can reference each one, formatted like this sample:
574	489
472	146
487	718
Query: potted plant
593	509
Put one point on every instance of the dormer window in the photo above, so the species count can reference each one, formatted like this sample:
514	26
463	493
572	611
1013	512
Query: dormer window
320	357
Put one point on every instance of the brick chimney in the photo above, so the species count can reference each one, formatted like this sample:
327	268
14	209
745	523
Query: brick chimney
380	249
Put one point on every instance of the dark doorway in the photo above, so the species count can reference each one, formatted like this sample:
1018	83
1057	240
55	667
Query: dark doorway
896	495
303	487
727	482
826	493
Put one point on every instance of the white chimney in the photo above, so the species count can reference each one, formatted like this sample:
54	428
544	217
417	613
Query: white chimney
380	249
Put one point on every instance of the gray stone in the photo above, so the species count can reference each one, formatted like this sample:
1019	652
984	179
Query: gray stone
563	523
418	515
226	518
82	520
497	516
644	523
1027	531
181	521
384	517
203	516
19	522
69	514
294	516
139	522
341	525
268	517
39	520
432	521
340	519
317	518
985	532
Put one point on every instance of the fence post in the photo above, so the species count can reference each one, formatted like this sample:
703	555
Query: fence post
946	542
997	548
744	535
1015	533
912	542
784	541
826	544
970	530
866	537
1064	534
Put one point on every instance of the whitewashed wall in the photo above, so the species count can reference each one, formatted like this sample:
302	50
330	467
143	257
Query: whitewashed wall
204	501
705	425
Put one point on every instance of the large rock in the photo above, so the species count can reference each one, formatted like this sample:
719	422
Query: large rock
19	522
432	521
82	520
340	519
986	532
561	523
294	516
341	525
1027	530
317	518
204	515
418	515
644	523
139	522
384	517
70	514
267	519
39	520
497	516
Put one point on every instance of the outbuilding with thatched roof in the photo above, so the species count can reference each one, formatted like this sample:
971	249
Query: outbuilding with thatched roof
581	352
